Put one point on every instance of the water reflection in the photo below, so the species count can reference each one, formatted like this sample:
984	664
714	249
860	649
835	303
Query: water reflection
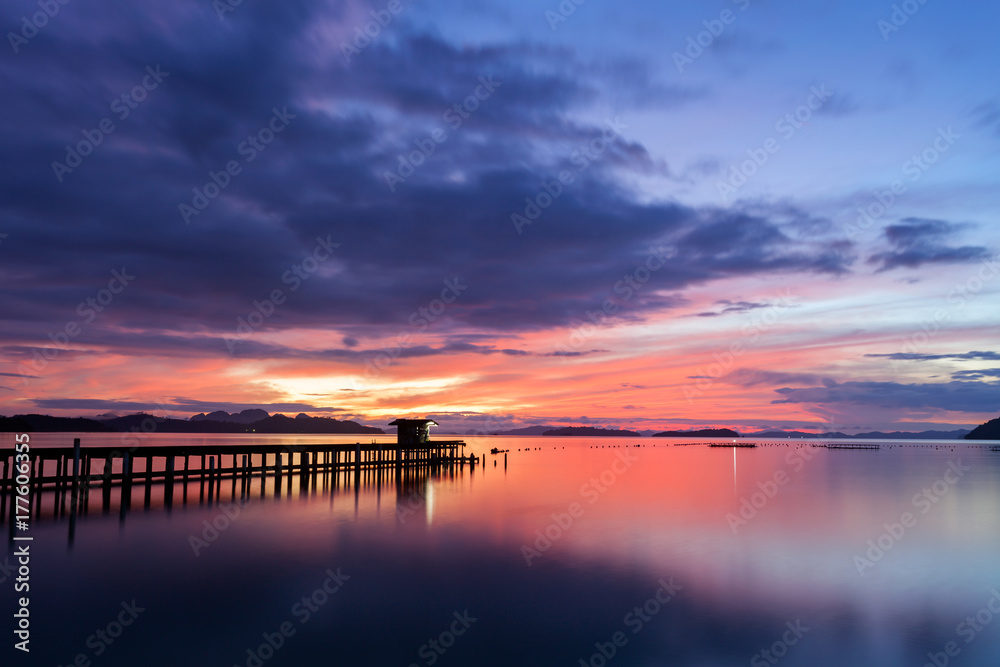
611	526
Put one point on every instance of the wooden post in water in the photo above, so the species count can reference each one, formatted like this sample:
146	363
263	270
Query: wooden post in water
168	482
122	502
76	475
106	491
38	485
234	478
303	471
277	474
185	478
3	490
58	488
126	480
246	478
327	458
87	474
201	476
211	478
263	473
148	468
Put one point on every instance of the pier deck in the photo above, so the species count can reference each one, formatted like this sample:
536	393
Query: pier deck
69	475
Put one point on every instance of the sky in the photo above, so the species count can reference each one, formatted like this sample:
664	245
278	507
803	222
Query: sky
752	214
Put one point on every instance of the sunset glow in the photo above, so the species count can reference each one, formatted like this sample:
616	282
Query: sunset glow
499	219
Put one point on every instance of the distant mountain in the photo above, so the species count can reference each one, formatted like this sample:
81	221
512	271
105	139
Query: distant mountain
147	423
14	425
306	424
245	417
590	430
150	423
797	434
988	431
922	435
527	430
704	433
45	423
872	435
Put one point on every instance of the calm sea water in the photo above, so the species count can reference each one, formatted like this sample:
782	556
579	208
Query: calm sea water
580	551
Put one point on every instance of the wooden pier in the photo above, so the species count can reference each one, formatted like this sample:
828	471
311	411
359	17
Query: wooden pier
68	477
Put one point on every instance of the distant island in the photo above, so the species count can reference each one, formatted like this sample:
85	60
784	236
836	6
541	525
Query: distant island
527	430
703	433
215	422
797	434
245	417
590	430
876	435
988	431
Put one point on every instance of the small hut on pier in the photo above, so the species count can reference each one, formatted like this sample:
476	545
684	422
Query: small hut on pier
413	432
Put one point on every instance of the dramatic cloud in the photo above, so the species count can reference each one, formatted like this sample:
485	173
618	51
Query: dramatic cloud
320	191
916	356
977	375
503	218
972	397
916	241
750	377
180	405
732	307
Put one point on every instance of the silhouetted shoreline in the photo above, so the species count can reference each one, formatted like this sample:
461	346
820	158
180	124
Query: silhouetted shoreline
149	423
